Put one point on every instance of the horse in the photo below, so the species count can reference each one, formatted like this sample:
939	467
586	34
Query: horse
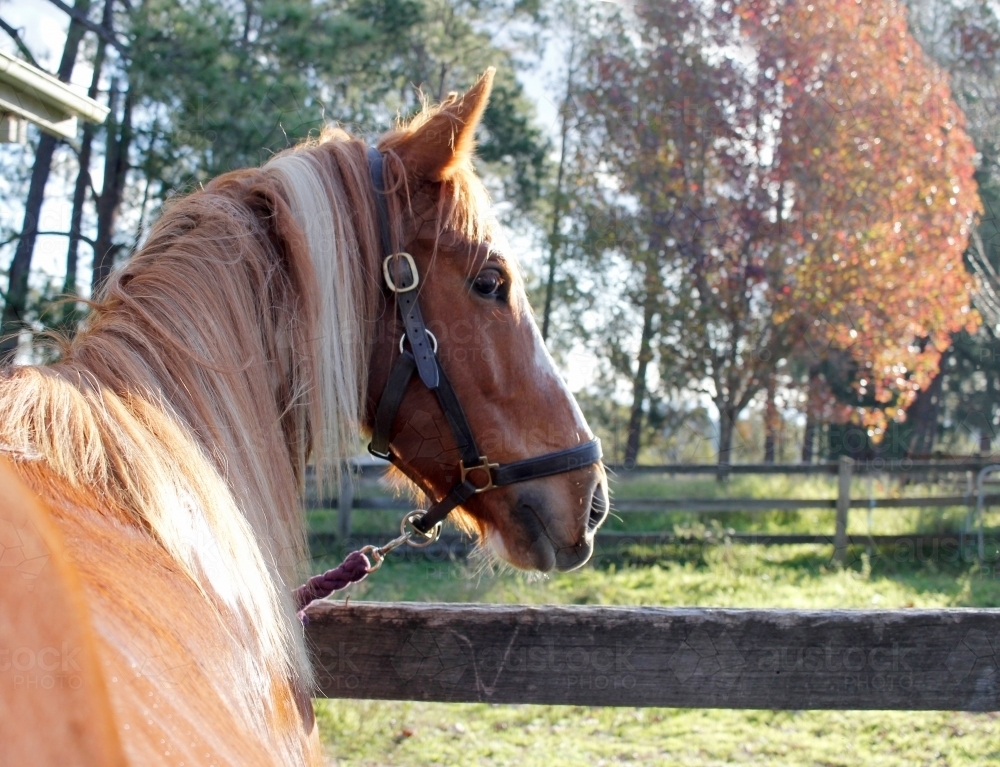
151	479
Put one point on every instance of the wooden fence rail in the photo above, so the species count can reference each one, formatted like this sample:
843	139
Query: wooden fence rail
367	467
347	501
717	505
617	656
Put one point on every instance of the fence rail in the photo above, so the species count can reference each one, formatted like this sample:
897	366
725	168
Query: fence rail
369	467
616	656
845	468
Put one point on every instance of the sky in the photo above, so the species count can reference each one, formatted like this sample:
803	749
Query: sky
43	28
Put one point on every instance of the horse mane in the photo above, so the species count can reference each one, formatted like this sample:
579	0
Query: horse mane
224	355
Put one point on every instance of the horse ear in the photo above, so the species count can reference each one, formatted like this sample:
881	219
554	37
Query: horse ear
445	139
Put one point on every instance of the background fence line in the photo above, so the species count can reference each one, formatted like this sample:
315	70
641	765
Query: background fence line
975	500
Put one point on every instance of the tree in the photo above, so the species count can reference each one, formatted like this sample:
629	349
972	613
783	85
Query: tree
15	303
804	185
883	192
964	39
205	86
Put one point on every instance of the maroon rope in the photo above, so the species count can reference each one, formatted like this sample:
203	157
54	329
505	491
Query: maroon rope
352	570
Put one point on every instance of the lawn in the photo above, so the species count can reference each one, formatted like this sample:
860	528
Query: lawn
406	733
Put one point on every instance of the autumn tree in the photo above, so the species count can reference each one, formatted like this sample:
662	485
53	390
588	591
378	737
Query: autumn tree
964	400
803	182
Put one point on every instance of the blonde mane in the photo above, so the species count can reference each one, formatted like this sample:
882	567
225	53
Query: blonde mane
236	336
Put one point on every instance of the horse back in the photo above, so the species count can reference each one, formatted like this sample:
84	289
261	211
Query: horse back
114	655
53	699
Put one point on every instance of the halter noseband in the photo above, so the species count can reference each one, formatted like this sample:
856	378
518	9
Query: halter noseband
477	473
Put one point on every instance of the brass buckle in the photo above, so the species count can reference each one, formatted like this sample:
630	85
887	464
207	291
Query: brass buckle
388	274
485	465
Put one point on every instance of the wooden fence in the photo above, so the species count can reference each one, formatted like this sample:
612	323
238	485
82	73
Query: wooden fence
845	469
616	656
708	658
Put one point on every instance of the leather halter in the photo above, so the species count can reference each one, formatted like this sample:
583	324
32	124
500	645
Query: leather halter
477	473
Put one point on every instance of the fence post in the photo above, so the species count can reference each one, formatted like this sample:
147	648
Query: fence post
345	502
843	506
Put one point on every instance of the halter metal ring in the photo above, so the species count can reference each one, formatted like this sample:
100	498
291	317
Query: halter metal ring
434	341
387	272
407	528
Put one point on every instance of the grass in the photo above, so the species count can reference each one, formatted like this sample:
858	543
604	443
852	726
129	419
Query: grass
375	733
405	733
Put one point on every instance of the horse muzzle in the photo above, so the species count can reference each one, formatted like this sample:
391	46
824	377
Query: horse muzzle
551	532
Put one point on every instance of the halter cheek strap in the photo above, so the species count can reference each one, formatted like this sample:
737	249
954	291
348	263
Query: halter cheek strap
477	474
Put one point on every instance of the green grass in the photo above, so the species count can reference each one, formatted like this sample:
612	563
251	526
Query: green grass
390	733
375	733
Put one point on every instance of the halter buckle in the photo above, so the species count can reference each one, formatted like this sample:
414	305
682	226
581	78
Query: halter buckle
387	273
484	465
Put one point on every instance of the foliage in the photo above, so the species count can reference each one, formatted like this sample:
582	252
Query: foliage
803	187
225	90
208	86
885	197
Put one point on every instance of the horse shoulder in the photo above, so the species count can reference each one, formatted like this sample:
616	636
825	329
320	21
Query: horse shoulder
161	655
53	698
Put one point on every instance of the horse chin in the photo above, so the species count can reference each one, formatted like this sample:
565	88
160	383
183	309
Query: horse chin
541	555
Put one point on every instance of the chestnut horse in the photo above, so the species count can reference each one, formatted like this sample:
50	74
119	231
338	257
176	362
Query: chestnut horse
150	480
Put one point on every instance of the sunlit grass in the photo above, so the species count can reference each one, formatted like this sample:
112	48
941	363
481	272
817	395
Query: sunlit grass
389	733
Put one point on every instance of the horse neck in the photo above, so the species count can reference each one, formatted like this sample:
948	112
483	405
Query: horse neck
219	322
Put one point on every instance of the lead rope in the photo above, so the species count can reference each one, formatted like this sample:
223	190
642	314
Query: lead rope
357	566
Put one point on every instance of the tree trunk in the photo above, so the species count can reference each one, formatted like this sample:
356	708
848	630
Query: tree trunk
116	167
812	407
727	426
923	414
772	423
20	267
987	433
633	440
83	179
555	236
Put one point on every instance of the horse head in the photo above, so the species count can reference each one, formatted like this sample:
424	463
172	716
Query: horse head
473	308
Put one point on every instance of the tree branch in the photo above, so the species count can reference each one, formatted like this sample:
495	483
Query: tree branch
87	240
16	37
103	32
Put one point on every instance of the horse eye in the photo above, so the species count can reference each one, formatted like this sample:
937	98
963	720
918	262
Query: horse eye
489	284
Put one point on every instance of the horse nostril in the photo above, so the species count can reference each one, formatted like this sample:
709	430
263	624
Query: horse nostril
598	508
